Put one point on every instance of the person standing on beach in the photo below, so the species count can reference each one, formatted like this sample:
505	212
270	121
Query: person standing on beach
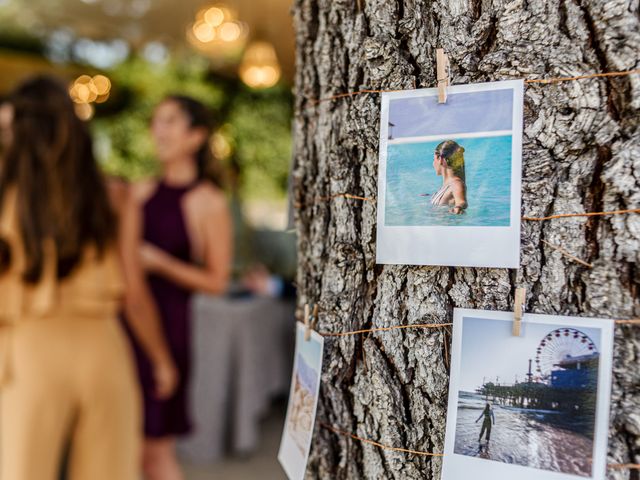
489	419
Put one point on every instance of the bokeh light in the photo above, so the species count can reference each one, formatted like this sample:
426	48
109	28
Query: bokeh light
86	90
216	31
84	111
214	16
260	67
220	146
230	31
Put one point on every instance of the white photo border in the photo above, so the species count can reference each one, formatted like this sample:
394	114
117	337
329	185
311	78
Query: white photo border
296	472
462	246
456	466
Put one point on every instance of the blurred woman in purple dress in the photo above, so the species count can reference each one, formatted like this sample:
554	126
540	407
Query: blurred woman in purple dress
184	227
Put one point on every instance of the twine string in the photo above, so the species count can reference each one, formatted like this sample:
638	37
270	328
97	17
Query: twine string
528	81
567	254
614	466
384	329
630	321
586	214
525	218
376	444
581	77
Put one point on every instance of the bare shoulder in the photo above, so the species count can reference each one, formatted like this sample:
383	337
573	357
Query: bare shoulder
457	185
208	199
139	192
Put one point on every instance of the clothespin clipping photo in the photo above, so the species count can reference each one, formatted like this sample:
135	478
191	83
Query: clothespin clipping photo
310	320
307	323
518	310
443	69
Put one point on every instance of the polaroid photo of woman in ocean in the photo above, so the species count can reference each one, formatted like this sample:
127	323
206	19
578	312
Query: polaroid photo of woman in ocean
449	176
531	407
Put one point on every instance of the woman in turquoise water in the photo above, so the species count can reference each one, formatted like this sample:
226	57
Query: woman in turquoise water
448	162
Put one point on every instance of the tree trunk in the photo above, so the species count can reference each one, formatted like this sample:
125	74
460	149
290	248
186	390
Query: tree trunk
581	153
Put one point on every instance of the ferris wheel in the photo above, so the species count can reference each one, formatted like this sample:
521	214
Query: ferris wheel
561	344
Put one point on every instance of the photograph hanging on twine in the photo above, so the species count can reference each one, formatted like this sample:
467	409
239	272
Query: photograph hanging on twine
303	400
531	407
450	175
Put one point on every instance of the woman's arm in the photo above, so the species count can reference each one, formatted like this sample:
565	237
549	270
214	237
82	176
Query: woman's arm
140	310
216	227
459	197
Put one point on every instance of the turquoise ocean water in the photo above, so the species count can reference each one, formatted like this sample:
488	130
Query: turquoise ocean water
410	175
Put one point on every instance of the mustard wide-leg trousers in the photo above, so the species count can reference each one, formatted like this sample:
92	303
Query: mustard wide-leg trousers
72	383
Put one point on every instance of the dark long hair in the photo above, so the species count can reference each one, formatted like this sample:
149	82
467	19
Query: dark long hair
200	117
61	192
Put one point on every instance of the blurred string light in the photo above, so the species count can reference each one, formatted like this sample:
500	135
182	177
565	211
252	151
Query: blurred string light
155	52
86	90
131	8
216	30
62	46
139	8
84	111
101	54
260	67
220	145
113	8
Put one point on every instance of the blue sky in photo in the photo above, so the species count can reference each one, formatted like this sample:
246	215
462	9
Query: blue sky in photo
310	350
489	349
463	113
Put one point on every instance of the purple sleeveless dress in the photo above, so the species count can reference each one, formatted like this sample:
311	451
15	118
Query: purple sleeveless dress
165	227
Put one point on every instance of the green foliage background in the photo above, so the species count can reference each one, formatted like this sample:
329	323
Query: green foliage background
255	123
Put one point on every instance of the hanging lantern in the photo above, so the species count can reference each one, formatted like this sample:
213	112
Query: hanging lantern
260	67
217	32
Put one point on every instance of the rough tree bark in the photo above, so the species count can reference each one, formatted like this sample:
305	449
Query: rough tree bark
581	153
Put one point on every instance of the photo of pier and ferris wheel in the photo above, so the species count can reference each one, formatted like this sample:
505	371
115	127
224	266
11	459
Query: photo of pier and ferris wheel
528	400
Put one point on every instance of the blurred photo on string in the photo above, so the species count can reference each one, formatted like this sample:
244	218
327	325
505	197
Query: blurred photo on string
66	268
297	434
185	243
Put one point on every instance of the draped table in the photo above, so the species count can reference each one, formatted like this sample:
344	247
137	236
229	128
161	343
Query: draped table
242	354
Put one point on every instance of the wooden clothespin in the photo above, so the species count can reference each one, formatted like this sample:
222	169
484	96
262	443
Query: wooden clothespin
518	310
310	320
307	323
442	74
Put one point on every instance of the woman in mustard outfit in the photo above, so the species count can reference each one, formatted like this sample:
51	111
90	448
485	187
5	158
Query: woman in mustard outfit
66	372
